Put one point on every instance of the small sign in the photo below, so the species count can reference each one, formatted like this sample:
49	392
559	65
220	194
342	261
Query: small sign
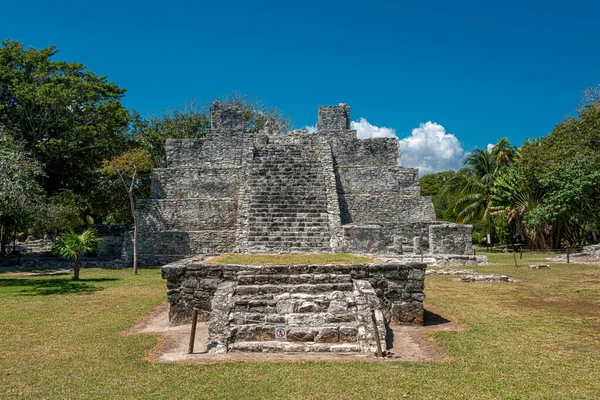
280	332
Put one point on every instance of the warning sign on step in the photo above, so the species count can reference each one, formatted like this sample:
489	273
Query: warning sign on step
280	332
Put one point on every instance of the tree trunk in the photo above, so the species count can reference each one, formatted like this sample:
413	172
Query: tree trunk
76	265
135	263
132	203
2	240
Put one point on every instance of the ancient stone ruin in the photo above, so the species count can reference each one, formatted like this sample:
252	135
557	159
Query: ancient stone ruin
324	308
280	193
299	192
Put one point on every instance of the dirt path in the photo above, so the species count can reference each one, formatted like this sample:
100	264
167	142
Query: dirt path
410	343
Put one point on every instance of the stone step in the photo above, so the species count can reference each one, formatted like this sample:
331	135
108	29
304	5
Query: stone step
289	208
256	249
291	242
285	217
297	319
275	201
247	290
330	333
260	279
273	224
294	347
286	236
291	237
268	303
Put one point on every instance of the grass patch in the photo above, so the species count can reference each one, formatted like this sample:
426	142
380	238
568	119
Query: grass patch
536	338
289	259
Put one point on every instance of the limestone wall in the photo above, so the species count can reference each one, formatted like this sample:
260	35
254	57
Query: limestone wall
217	149
193	182
400	287
377	180
349	150
380	209
450	238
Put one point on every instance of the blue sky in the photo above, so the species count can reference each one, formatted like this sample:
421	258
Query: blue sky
479	70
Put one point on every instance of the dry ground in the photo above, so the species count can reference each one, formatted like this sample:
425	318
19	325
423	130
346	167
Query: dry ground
409	343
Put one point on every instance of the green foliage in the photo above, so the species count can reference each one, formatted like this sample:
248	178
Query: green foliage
69	118
20	192
473	185
572	199
434	185
71	245
62	211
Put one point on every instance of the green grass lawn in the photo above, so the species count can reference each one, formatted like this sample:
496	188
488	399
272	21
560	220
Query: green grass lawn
288	259
537	338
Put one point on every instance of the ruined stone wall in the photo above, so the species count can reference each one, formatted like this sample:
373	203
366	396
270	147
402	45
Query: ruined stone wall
193	204
358	179
400	287
201	202
450	238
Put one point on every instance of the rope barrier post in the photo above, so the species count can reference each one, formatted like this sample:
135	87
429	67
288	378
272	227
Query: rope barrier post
515	258
376	331
520	254
193	333
568	254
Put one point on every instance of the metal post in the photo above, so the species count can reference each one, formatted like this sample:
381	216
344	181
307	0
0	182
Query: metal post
568	254
376	331
193	333
520	254
515	258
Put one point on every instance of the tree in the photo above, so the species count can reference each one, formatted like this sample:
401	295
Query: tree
434	185
127	168
20	191
70	244
59	213
513	200
503	152
572	200
69	118
473	184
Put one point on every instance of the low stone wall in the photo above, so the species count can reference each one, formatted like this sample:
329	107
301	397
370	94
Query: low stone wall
399	286
450	239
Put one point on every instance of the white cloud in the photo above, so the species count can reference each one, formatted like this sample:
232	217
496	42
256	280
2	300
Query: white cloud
365	130
431	149
490	146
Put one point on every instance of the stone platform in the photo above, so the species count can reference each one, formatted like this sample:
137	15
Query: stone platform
323	307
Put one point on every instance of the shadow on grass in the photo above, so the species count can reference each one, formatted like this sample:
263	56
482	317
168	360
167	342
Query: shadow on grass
432	319
63	285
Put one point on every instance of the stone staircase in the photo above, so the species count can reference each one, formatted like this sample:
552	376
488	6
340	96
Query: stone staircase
287	201
323	312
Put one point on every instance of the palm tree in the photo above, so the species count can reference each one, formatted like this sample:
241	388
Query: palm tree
474	185
513	199
503	152
70	244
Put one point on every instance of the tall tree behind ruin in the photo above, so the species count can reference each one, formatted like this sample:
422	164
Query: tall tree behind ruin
128	167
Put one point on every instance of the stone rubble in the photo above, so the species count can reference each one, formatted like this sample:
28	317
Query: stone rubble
484	278
539	266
